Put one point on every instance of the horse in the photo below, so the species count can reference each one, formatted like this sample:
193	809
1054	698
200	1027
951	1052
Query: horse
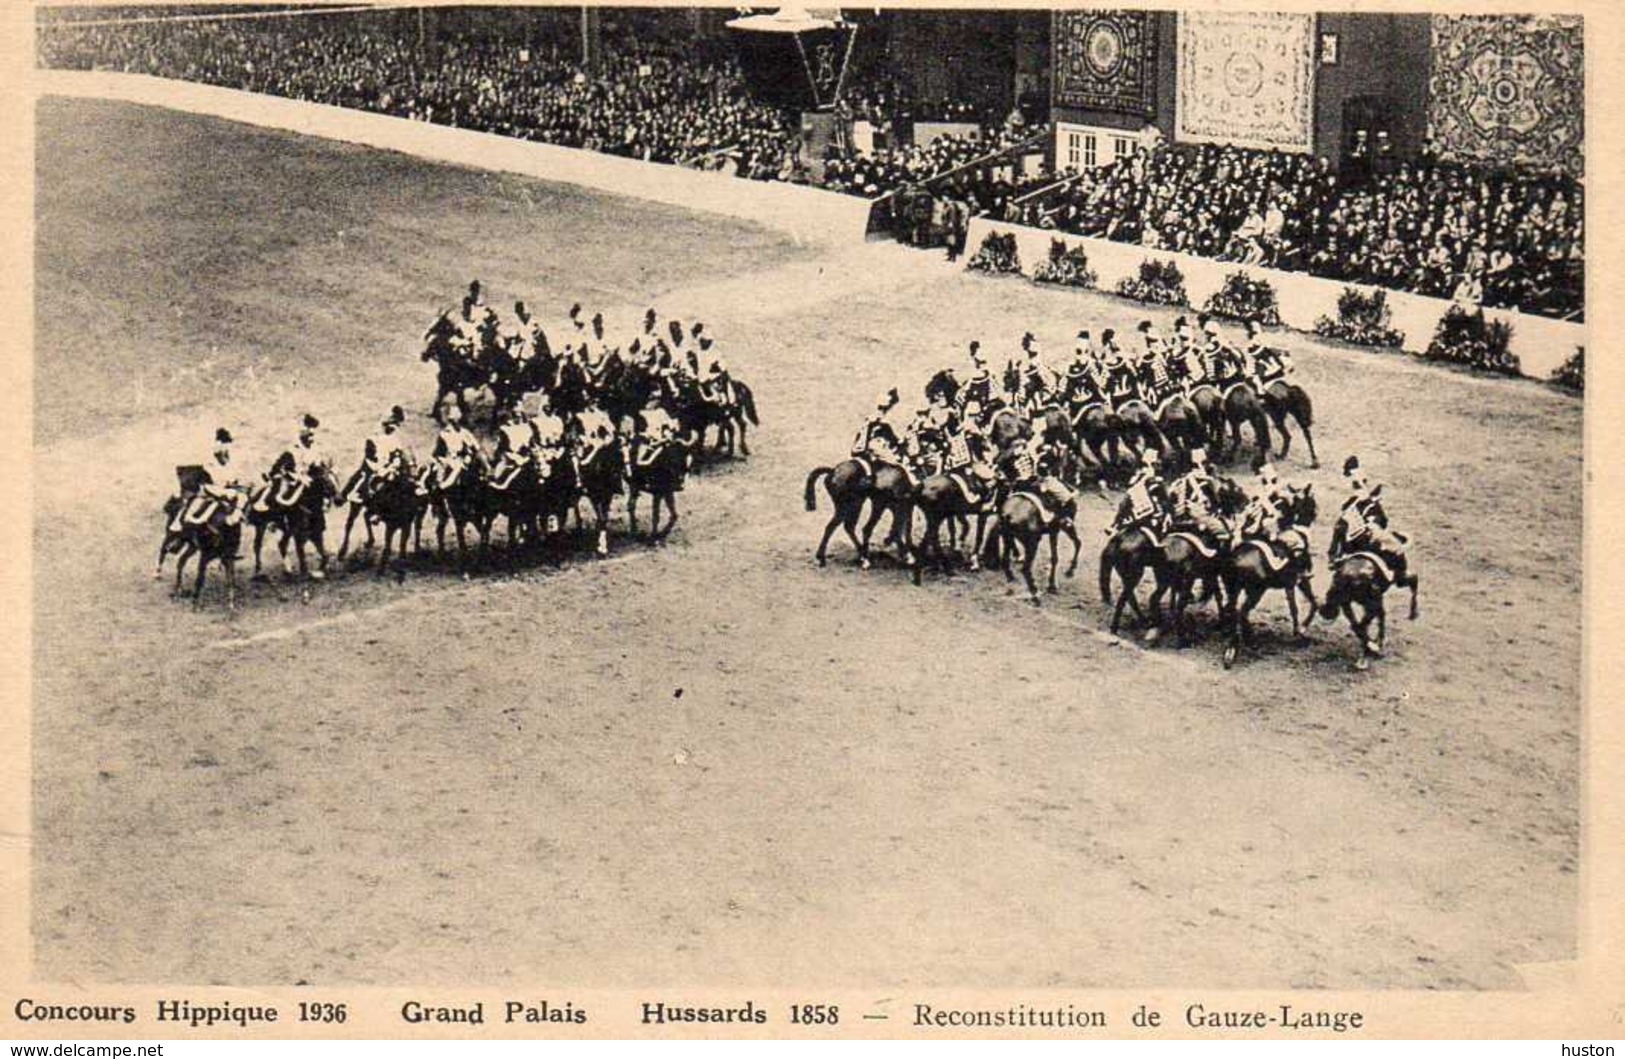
1243	406
1360	581
215	540
886	485
1255	568
1137	426
464	502
1187	559
601	473
1209	404
657	468
941	498
1128	553
1283	399
624	389
398	502
848	484
1022	523
302	521
457	372
1180	422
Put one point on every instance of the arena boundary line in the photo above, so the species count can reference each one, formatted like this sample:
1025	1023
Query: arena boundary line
1541	343
810	215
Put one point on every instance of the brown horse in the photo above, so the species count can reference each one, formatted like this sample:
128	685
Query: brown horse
1243	407
940	500
1129	553
1022	524
214	540
854	481
1359	583
1283	399
1190	557
660	472
1257	567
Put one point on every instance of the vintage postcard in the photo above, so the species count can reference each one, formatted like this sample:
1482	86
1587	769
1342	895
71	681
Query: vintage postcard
669	521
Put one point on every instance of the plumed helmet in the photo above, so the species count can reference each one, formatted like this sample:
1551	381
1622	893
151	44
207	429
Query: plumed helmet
397	414
310	422
1351	465
222	436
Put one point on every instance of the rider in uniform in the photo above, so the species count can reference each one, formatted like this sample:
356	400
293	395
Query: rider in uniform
307	458
1270	364
1191	500
455	447
1362	525
1123	378
1154	365
215	483
1145	501
515	440
980	386
1262	518
1035	378
875	440
383	456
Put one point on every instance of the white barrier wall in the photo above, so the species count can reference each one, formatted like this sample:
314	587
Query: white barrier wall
1542	344
809	214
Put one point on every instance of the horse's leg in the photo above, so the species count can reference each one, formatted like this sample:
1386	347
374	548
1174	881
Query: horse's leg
849	523
259	540
186	551
903	516
600	511
202	573
744	445
1413	583
822	554
632	519
1382	626
1292	609
1308	439
1029	552
671	506
876	510
1277	415
383	556
1054	558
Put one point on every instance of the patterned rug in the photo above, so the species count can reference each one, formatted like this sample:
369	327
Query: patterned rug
1509	89
1246	78
1106	60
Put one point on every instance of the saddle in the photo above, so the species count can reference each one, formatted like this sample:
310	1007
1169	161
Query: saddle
1123	406
1162	409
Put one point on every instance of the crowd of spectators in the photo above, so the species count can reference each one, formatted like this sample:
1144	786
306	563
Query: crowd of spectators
1512	239
1495	238
660	101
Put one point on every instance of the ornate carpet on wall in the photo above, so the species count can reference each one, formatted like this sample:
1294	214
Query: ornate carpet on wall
1246	78
1106	60
1509	89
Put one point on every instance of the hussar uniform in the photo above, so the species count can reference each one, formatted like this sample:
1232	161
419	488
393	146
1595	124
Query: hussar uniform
1363	523
455	448
1145	500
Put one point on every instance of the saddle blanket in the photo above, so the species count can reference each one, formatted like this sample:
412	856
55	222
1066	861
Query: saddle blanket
972	497
1046	514
1376	560
1279	552
1203	548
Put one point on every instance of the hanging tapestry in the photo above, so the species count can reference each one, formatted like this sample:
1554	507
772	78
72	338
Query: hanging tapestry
1106	60
1246	78
1509	89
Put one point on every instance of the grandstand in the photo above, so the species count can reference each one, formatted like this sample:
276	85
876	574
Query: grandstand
1363	148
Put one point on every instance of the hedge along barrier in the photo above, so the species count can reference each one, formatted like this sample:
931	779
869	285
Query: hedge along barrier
1541	344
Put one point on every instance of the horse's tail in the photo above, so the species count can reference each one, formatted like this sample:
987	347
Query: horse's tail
747	402
812	493
1107	554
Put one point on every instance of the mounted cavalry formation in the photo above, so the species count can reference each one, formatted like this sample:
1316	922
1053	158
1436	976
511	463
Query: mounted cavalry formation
1009	455
575	420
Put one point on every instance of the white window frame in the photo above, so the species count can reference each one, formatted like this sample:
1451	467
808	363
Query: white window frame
1090	146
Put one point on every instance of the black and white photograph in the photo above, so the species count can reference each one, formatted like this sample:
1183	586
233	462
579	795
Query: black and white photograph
900	500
